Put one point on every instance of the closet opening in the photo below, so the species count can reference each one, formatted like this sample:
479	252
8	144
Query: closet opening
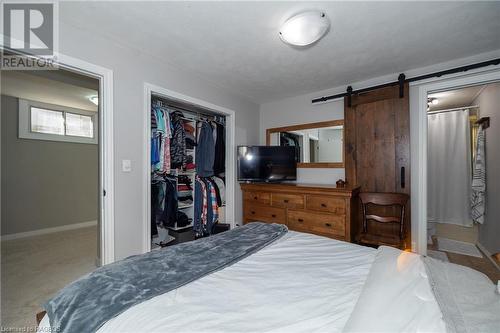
191	177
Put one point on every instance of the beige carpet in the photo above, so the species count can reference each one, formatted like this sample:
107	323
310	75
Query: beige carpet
35	268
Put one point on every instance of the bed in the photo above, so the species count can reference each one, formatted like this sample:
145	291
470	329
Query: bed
298	283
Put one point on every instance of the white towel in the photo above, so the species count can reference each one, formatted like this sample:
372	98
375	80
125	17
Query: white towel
479	180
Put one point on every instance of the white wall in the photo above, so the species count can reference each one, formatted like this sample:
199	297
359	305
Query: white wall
131	69
299	110
489	106
330	145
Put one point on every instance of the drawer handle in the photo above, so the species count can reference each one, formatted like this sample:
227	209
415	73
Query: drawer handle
323	205
253	212
285	201
255	198
300	220
274	215
328	224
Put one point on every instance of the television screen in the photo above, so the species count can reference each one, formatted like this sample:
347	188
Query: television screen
266	163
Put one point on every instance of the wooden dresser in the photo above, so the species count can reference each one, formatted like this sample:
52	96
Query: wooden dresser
318	209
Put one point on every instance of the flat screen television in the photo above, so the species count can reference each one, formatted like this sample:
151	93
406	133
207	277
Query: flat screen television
266	163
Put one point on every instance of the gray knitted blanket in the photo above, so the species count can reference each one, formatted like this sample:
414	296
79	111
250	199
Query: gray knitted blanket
89	302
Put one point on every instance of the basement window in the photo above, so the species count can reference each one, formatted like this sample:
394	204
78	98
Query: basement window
42	121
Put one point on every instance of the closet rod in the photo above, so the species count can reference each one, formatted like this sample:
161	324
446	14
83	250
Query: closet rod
197	115
454	109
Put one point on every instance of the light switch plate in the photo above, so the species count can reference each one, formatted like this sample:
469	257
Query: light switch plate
126	165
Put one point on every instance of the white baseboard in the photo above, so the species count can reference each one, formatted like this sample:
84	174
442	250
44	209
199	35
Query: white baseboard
487	254
49	230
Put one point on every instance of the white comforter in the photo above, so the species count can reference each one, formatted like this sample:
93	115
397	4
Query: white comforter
300	283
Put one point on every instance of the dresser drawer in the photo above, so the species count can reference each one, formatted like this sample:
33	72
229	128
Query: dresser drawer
326	204
256	212
260	197
317	223
287	200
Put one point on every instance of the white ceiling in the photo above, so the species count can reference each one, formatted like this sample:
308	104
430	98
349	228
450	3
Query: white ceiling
455	98
53	87
236	44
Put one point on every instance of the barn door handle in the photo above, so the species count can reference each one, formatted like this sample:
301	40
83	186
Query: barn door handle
403	182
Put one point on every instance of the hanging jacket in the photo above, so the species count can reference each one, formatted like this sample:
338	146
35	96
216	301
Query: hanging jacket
178	142
220	151
205	151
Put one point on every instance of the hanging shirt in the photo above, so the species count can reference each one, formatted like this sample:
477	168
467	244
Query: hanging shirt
204	201
222	189
155	151
178	153
166	150
213	205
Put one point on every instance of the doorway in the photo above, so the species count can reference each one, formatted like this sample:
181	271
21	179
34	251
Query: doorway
57	151
458	137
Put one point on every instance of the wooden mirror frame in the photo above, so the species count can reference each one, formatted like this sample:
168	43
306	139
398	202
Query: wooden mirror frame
321	124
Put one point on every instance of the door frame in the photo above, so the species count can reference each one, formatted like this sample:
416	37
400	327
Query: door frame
418	147
106	206
151	89
106	151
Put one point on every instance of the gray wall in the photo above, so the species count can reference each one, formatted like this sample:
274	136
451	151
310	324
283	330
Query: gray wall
489	106
131	69
45	184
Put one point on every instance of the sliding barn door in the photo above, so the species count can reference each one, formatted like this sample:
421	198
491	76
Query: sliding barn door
377	146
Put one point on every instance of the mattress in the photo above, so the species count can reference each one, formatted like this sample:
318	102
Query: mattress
300	283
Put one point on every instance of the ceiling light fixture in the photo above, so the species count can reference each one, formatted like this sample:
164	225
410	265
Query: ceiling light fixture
94	99
304	28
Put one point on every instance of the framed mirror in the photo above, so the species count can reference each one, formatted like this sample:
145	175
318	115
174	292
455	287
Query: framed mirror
319	145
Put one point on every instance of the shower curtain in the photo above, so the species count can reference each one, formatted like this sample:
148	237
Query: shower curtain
449	168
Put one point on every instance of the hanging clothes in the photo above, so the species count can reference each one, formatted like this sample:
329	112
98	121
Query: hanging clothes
214	208
164	201
207	200
220	150
200	207
205	151
160	139
216	191
219	182
178	142
183	146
